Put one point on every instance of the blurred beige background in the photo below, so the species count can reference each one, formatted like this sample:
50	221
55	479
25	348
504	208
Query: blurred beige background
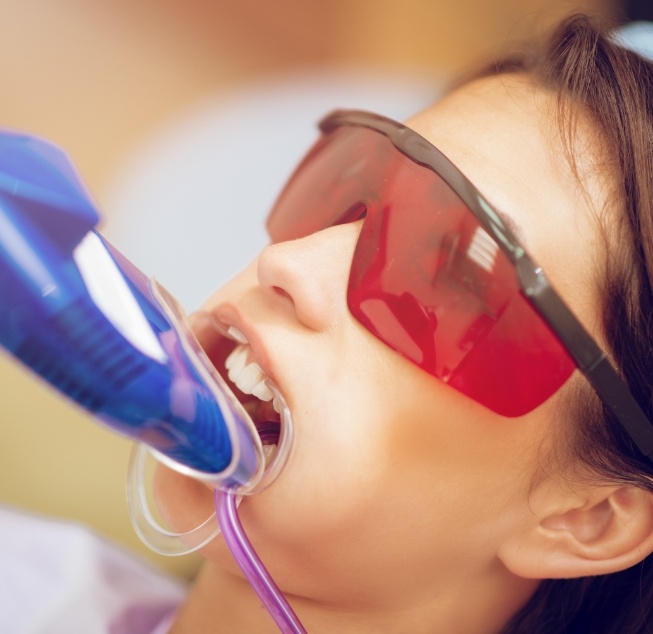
99	77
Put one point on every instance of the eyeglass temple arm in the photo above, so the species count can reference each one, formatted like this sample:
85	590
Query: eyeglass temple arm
589	358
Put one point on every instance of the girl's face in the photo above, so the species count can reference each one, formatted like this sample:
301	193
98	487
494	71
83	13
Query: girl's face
398	487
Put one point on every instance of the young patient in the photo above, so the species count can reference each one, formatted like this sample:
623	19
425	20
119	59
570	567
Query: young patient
423	497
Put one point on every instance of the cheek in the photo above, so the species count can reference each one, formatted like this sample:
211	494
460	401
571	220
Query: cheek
390	470
183	503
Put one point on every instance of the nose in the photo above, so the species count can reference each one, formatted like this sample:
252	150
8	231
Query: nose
310	274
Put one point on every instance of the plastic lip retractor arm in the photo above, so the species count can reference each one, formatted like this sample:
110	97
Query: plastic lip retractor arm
80	315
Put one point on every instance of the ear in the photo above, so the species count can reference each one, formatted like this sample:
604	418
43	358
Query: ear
593	531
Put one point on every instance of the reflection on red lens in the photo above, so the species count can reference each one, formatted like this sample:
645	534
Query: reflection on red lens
426	278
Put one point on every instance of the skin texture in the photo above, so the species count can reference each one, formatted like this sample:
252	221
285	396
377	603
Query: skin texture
404	503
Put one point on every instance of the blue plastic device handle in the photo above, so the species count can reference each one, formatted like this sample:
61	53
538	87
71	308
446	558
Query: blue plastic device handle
61	288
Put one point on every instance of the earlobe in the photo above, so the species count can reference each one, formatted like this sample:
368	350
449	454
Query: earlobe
607	530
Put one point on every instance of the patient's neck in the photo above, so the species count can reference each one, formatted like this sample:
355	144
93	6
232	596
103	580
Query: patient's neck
220	602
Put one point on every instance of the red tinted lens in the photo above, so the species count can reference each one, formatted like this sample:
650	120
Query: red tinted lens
426	278
342	171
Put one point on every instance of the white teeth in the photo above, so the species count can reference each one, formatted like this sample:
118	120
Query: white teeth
236	334
262	391
248	377
235	362
276	405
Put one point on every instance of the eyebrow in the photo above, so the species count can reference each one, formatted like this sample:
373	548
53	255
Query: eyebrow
515	230
513	226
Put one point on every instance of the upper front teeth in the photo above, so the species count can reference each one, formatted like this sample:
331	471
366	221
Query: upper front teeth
237	334
248	377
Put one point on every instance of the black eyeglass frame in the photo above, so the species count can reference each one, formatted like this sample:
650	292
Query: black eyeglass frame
589	358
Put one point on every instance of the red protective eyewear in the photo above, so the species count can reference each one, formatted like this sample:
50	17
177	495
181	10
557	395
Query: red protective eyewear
438	276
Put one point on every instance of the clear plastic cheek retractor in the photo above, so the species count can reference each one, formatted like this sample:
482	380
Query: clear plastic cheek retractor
86	320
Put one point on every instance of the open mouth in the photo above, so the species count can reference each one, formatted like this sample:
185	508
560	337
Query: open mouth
232	356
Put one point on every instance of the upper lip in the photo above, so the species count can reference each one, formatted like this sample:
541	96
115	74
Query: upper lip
229	315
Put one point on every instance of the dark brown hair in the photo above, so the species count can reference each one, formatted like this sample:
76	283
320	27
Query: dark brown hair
591	73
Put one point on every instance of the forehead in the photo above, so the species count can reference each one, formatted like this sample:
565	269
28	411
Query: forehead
503	134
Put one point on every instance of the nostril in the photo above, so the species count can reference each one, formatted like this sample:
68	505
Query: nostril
309	275
283	293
